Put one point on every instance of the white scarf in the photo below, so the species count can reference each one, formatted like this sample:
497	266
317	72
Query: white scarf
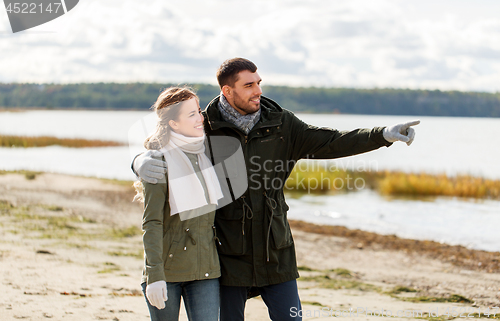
185	189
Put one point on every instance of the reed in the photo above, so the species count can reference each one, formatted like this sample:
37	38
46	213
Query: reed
423	184
43	141
320	180
323	181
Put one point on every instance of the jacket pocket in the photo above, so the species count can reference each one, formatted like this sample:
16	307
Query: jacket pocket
170	255
280	229
269	139
229	225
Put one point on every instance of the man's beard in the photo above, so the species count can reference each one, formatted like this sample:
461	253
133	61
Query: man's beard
245	105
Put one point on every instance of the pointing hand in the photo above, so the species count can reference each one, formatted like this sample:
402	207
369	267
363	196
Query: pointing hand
401	132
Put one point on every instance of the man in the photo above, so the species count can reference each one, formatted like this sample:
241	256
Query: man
256	248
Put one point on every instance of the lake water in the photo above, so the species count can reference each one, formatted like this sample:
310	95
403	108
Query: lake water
471	223
442	145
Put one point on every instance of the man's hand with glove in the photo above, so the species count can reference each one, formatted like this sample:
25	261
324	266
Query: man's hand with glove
401	132
148	168
156	293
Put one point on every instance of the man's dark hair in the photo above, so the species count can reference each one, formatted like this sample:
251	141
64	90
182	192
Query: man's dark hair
227	74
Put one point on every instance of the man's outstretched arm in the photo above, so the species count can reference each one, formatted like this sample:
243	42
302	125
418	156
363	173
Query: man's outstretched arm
326	143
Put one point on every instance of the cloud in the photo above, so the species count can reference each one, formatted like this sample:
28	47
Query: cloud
357	43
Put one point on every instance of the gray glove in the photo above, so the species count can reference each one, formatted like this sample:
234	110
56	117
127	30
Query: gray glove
148	168
401	132
156	293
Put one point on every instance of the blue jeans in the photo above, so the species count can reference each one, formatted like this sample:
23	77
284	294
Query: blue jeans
282	300
201	299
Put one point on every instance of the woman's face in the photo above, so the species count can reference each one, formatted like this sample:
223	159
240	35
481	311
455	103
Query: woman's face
190	121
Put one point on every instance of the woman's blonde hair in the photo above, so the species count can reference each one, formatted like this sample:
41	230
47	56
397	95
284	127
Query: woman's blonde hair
167	108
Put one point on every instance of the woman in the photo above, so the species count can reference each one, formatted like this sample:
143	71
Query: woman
179	236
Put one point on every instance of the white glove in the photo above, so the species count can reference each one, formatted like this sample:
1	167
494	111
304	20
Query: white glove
401	132
148	168
156	293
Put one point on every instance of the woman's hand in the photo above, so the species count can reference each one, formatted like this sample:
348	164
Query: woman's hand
156	293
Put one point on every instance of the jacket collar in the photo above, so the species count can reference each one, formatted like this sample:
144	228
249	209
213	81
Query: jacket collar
270	114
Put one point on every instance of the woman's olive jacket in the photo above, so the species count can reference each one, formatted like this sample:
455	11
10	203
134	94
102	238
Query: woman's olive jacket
175	250
256	247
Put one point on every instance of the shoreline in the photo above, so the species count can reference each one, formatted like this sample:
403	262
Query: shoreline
458	255
72	249
388	183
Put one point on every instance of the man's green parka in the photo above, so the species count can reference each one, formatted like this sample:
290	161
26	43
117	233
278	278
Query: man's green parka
256	245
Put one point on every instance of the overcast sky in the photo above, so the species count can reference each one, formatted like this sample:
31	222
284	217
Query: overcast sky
449	44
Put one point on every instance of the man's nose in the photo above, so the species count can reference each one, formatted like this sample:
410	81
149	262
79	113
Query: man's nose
258	90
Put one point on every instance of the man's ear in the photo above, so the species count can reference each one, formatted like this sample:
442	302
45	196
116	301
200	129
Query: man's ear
227	91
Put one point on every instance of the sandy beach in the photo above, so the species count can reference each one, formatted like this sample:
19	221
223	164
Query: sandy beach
71	249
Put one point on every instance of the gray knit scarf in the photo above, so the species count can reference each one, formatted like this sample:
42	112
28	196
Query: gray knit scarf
244	122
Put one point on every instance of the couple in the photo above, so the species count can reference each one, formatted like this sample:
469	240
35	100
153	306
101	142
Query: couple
251	237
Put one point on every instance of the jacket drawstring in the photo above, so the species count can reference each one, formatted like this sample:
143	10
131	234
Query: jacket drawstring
215	235
271	203
188	231
247	214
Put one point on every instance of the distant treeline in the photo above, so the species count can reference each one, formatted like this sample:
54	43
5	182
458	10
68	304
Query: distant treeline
312	99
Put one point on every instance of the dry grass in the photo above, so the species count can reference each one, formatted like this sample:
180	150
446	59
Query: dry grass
44	221
323	181
43	141
397	183
335	283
